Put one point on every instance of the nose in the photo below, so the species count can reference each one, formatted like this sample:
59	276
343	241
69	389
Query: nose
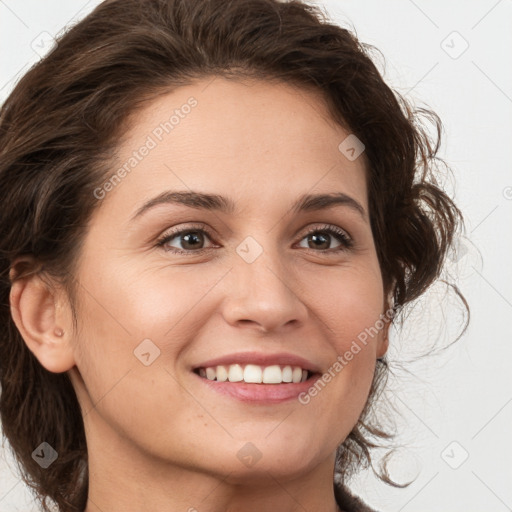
263	295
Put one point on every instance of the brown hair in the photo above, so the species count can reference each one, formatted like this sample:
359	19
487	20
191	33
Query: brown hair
60	127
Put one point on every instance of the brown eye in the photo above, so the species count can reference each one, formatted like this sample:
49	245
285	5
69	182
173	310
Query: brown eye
320	239
187	240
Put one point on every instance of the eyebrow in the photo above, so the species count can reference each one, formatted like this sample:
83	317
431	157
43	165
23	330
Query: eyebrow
215	202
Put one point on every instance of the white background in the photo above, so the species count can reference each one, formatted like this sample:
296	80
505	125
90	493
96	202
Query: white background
463	395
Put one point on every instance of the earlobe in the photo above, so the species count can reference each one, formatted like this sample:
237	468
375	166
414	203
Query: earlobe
383	342
383	346
35	311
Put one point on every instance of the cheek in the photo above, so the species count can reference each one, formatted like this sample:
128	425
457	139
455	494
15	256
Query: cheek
349	302
120	309
155	301
349	306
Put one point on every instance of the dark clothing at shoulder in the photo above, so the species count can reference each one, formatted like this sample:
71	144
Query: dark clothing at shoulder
348	502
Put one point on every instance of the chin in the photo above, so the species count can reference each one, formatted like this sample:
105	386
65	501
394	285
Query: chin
261	458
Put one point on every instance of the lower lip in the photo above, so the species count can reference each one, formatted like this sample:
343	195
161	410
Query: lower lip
260	393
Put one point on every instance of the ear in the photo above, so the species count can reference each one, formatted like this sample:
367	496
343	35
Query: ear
42	315
383	341
387	317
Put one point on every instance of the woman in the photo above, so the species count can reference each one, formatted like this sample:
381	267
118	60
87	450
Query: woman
211	212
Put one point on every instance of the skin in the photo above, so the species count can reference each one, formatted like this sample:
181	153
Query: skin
158	437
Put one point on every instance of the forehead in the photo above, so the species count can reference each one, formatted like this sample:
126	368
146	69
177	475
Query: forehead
262	141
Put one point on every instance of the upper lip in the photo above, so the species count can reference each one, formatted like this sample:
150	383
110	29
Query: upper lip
261	359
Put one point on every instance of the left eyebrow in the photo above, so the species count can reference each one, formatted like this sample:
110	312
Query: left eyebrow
316	202
215	202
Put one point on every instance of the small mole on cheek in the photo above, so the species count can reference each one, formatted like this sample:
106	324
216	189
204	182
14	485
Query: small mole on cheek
201	416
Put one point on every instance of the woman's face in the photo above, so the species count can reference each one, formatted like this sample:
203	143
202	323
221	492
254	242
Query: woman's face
264	284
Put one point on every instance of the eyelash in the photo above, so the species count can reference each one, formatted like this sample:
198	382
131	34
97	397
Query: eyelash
343	238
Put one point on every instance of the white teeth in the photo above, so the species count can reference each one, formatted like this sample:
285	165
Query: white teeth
297	374
272	375
222	374
235	373
287	374
253	373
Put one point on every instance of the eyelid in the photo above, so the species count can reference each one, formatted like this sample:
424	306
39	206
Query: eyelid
173	232
328	228
346	241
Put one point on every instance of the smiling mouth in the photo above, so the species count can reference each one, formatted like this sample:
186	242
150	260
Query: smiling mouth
255	374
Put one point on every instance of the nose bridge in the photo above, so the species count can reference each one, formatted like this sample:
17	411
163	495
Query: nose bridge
261	269
259	290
